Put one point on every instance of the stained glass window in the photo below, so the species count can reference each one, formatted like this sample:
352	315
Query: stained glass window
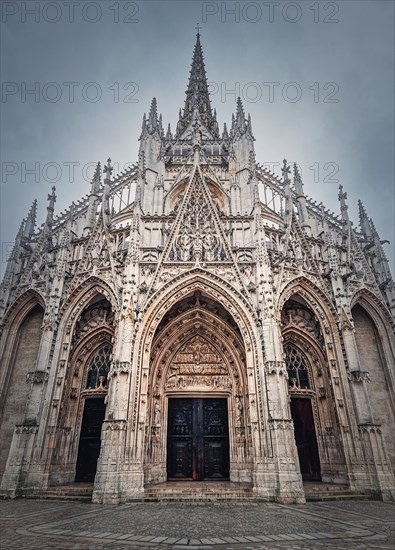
297	369
98	369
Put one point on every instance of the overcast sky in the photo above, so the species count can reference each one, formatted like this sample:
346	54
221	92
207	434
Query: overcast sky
317	78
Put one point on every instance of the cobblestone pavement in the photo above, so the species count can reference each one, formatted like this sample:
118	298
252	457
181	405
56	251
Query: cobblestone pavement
44	525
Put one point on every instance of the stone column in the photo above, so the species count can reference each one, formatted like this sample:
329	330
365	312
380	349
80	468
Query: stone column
111	466
285	483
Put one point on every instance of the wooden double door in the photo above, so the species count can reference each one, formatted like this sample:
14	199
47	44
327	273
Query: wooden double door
198	439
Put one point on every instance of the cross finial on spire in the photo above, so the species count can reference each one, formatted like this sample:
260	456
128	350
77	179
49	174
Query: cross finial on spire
198	27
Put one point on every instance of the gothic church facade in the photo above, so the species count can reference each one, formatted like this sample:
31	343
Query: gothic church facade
197	317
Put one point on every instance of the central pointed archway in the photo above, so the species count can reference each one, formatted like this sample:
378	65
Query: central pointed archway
198	398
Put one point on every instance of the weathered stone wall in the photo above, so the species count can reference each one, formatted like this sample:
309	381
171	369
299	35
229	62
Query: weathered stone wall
371	360
22	361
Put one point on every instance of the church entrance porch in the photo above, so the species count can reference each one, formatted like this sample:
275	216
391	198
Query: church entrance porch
89	444
198	439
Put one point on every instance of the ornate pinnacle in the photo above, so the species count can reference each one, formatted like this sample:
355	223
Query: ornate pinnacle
240	116
30	221
52	199
107	170
342	199
285	171
96	175
296	173
298	184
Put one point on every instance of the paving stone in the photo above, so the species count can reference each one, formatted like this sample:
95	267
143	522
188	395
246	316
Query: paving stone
77	528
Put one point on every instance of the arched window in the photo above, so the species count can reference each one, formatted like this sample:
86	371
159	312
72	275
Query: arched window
98	369
297	369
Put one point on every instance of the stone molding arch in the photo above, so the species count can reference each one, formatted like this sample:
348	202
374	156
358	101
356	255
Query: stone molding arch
12	322
324	379
375	308
218	369
383	324
198	279
31	296
72	396
208	326
174	291
313	295
82	294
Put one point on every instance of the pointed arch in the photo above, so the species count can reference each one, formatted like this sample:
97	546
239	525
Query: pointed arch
376	358
314	296
19	362
186	283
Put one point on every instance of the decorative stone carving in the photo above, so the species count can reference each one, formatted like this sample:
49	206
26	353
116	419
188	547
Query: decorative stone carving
97	316
37	377
115	425
276	367
281	424
26	429
359	376
196	364
119	367
198	237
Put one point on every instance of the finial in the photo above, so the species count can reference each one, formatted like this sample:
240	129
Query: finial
342	196
96	175
52	198
108	169
285	170
198	27
296	172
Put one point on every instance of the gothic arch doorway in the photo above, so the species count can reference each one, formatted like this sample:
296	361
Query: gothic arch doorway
93	405
311	380
78	434
198	400
302	405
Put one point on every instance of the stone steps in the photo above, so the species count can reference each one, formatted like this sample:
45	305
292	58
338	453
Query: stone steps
75	492
200	493
326	491
337	496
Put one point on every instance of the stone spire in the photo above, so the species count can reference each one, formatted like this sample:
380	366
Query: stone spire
152	124
93	200
240	124
105	205
197	102
31	220
344	208
285	170
364	222
374	249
